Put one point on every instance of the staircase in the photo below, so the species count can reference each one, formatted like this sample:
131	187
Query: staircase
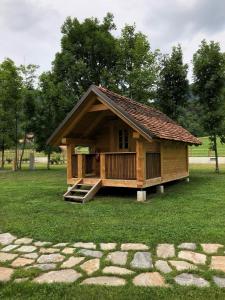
81	192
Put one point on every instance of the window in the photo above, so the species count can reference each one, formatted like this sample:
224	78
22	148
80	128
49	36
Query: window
123	139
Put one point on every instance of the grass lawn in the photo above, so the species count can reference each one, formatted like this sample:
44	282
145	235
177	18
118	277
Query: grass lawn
203	150
31	205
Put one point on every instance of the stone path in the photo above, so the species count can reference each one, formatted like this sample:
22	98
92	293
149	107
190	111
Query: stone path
24	259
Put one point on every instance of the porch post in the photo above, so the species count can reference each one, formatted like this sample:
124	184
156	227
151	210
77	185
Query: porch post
69	161
102	166
80	165
140	162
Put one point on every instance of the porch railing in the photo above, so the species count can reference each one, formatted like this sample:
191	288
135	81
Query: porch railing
120	165
116	165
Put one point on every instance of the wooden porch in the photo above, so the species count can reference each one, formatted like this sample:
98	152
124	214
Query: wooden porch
118	169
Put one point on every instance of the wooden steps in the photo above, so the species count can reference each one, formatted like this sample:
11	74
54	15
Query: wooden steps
81	192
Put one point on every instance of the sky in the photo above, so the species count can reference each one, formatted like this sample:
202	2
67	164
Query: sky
30	29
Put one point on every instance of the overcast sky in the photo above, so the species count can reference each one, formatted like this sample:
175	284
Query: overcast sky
30	29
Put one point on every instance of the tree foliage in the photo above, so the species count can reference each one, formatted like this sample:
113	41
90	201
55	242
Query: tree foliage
137	65
172	91
209	84
10	104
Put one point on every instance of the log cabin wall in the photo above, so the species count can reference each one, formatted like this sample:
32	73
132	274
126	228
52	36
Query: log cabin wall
107	138
174	160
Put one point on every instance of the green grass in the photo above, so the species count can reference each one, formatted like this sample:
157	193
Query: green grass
203	150
31	205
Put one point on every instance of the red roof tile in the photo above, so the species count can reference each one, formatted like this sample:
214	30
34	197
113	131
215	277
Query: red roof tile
152	120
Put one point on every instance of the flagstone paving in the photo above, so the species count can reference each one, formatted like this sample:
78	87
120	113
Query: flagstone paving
111	264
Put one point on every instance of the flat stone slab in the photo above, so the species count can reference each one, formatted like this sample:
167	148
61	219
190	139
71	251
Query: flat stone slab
50	258
68	250
134	247
22	279
117	271
149	279
60	245
165	250
218	263
163	266
23	241
91	266
42	244
142	260
181	265
49	250
117	258
21	262
194	257
7	238
44	267
64	276
7	256
9	248
187	246
85	245
33	255
219	281
107	246
26	249
92	253
72	261
105	280
211	248
5	274
186	279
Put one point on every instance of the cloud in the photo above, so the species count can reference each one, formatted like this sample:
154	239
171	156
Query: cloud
30	29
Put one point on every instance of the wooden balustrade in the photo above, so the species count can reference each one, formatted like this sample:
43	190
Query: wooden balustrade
117	165
120	165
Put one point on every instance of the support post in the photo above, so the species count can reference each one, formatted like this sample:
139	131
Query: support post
70	148
140	162
160	189
141	196
187	179
80	165
102	166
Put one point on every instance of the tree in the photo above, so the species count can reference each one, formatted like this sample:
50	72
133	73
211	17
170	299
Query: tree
10	95
172	91
137	65
28	102
88	56
49	112
209	84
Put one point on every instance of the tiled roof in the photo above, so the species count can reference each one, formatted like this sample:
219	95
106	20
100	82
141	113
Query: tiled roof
156	123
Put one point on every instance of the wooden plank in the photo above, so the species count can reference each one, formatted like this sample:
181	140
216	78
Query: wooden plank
76	141
102	166
140	162
80	165
92	192
70	149
98	107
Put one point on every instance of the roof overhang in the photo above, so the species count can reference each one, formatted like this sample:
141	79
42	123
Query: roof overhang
56	137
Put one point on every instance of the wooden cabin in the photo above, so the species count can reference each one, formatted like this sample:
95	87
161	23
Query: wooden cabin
129	145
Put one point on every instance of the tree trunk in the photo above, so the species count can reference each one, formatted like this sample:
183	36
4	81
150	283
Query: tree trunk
16	145
22	153
49	157
3	154
216	153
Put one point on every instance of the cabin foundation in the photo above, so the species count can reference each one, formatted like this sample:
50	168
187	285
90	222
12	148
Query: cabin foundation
160	189
141	196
